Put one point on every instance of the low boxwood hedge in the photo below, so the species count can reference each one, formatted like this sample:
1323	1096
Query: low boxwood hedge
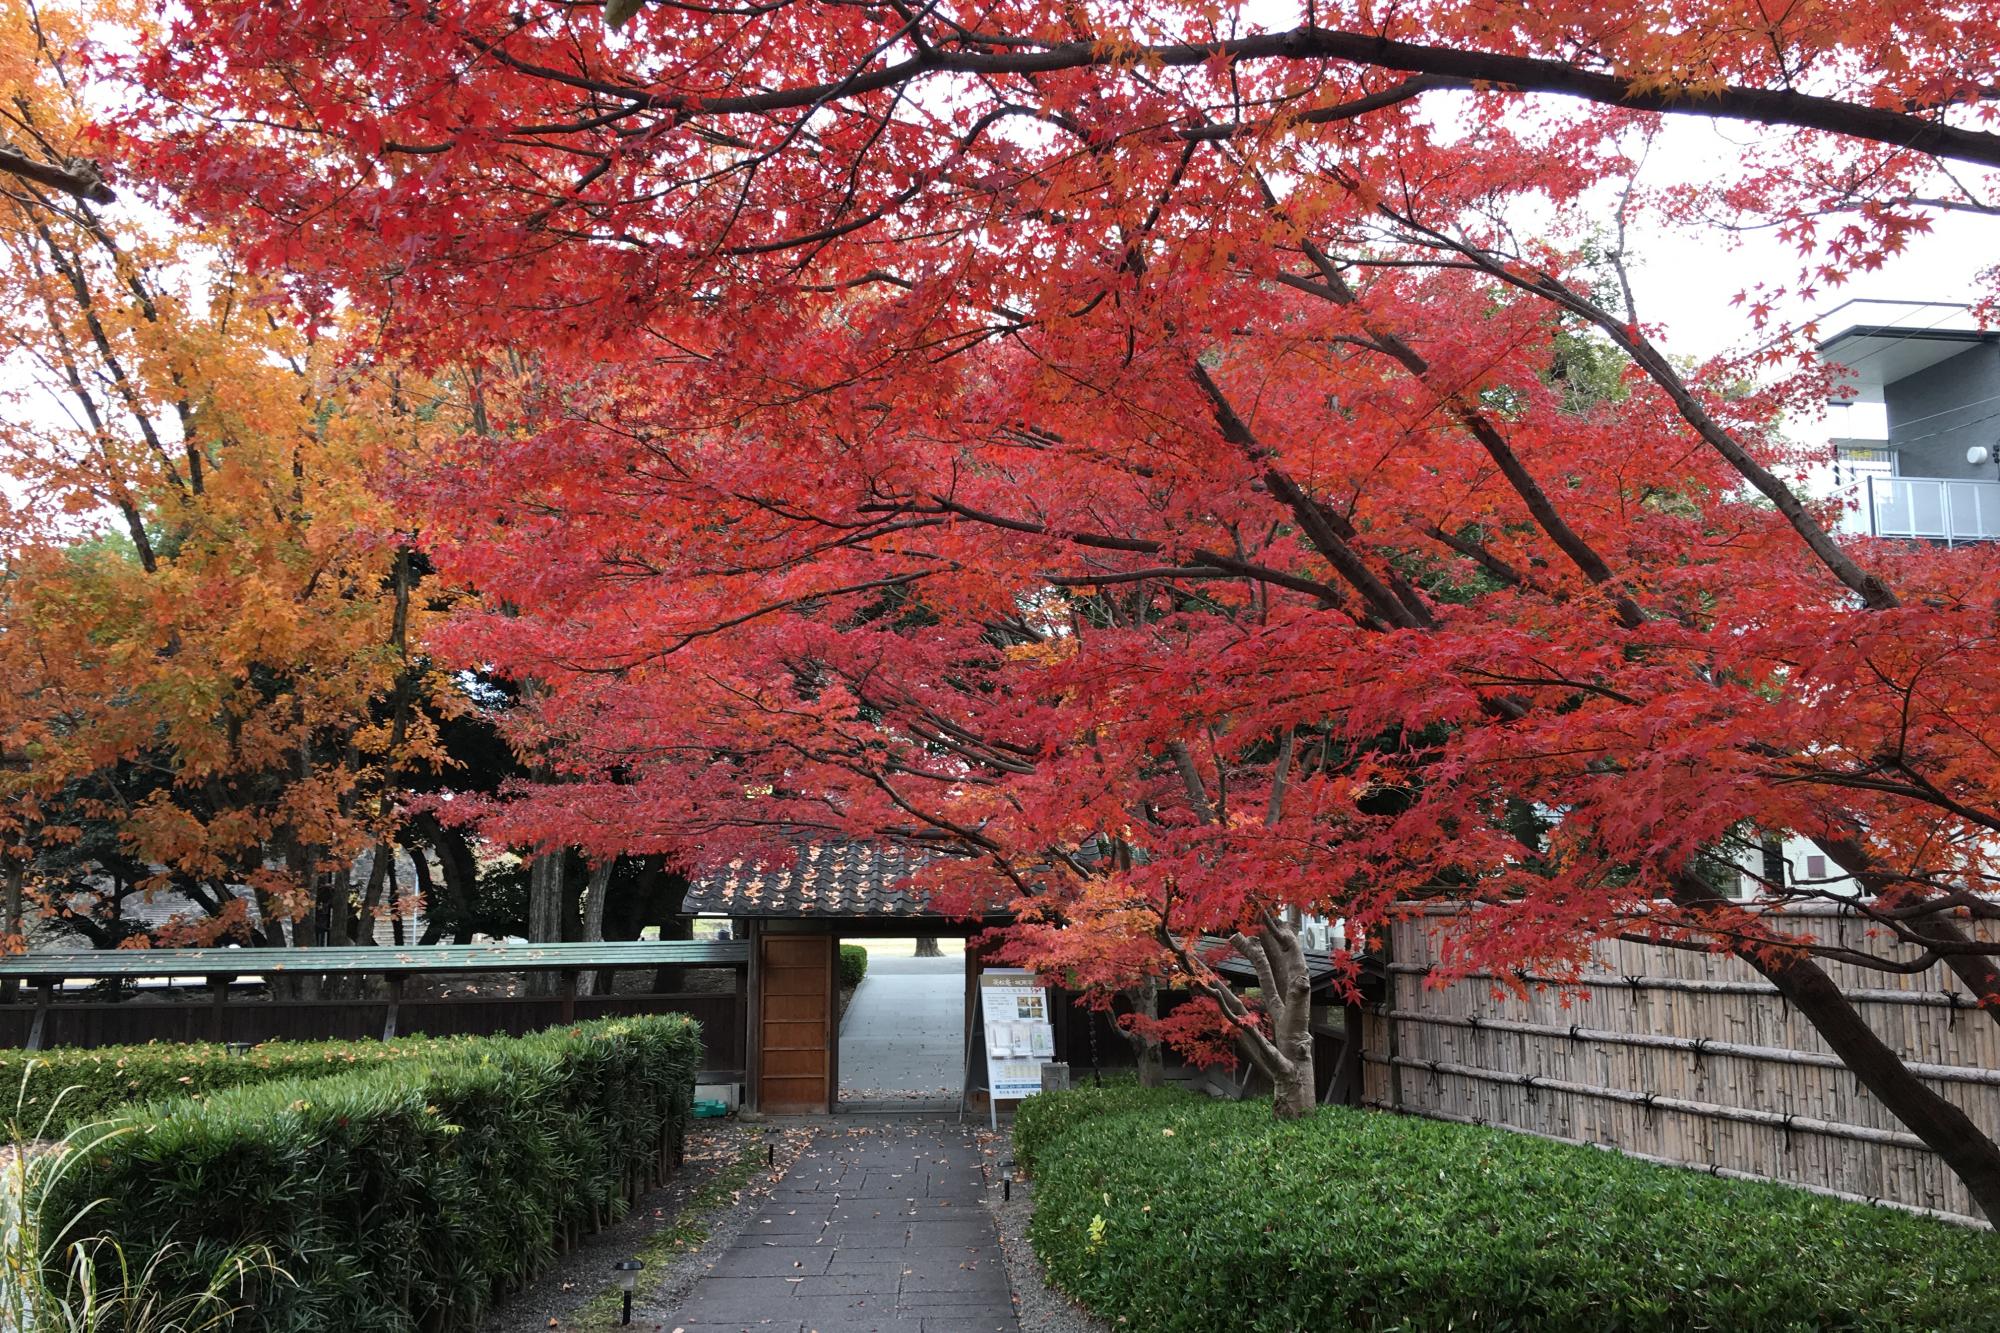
406	1194
51	1092
1167	1211
853	964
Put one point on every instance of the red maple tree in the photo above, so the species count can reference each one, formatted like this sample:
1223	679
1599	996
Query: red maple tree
1191	470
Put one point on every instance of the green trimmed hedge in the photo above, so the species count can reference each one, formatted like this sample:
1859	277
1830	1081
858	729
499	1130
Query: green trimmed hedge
1167	1211
853	964
407	1194
72	1086
1046	1117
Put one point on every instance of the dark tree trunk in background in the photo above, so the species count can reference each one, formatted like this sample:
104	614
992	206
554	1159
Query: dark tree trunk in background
289	986
594	894
660	896
571	921
337	886
927	947
423	893
1144	1002
13	873
460	871
545	911
395	904
381	874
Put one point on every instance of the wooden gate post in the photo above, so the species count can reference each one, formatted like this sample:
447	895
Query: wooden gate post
752	1015
218	991
395	980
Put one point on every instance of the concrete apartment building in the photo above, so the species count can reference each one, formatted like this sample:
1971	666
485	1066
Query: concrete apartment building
1915	417
1918	387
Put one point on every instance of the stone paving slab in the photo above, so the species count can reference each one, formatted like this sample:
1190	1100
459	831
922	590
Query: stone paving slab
876	1229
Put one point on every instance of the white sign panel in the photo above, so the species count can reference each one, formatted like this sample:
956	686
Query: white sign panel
1019	1039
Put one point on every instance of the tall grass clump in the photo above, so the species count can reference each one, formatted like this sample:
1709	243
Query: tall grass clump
58	1275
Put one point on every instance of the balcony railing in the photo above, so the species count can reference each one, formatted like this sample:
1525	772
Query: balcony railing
1929	509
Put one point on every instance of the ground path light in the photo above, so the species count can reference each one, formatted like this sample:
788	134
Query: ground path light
628	1278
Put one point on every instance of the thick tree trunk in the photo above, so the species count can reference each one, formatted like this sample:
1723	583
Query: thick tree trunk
338	886
927	947
290	985
269	932
594	895
545	904
1292	1091
1972	1156
329	898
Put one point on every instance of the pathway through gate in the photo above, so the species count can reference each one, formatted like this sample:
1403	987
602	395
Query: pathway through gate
903	1038
875	1229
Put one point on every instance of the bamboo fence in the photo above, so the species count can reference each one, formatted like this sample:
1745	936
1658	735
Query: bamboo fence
1687	1058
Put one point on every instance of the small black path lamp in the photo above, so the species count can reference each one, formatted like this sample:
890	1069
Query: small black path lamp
628	1278
1007	1181
238	1049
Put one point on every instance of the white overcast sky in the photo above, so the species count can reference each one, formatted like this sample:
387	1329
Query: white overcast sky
1682	271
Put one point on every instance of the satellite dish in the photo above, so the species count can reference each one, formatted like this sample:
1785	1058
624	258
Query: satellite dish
1978	454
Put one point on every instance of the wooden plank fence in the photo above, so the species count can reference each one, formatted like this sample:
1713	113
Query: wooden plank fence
1687	1058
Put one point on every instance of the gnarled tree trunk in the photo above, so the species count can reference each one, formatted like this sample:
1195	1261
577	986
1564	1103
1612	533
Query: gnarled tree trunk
1284	1055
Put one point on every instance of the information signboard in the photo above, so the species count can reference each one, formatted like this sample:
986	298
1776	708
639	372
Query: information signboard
1019	1040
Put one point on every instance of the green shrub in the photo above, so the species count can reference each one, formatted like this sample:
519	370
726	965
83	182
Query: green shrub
1188	1214
853	964
71	1086
1047	1116
406	1194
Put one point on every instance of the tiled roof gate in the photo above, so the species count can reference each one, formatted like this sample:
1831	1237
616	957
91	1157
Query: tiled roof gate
853	880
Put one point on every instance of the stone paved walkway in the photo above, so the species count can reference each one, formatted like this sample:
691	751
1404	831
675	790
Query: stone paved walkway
875	1229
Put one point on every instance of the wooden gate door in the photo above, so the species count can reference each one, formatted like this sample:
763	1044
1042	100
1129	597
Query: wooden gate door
795	1024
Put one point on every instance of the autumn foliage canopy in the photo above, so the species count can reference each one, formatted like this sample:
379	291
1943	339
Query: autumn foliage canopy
1186	465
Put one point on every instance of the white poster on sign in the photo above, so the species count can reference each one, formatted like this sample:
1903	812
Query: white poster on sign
1019	1040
